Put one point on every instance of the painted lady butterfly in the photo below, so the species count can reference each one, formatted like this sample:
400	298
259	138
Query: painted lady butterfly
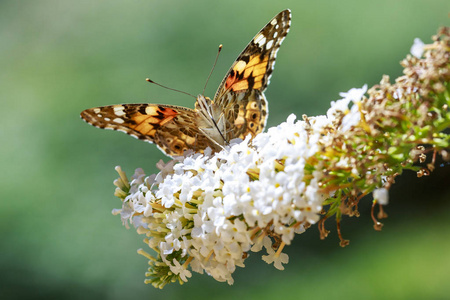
239	106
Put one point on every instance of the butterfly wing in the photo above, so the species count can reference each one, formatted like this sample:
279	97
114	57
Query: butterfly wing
241	92
173	129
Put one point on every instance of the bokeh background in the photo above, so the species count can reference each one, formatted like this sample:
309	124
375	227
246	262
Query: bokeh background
58	57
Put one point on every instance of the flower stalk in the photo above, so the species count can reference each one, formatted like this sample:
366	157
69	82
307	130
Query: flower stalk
207	213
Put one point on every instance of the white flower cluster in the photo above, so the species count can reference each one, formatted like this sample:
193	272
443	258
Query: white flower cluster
209	212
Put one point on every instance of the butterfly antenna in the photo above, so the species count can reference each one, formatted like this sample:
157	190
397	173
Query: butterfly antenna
210	73
151	81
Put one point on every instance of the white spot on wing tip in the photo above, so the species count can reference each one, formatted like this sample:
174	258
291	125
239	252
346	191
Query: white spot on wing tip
118	110
261	40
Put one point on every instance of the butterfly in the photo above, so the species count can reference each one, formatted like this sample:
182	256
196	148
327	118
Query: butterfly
239	107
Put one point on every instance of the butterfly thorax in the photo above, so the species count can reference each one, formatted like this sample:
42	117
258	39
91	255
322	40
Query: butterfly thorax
211	121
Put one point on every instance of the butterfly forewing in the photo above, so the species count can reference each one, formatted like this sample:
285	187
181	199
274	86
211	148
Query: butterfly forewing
254	66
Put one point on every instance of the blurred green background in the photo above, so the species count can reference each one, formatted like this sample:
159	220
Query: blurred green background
58	57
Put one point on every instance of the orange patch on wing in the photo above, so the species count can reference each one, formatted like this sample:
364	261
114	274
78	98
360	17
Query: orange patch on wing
169	112
256	68
166	120
240	86
144	122
140	120
143	128
230	81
